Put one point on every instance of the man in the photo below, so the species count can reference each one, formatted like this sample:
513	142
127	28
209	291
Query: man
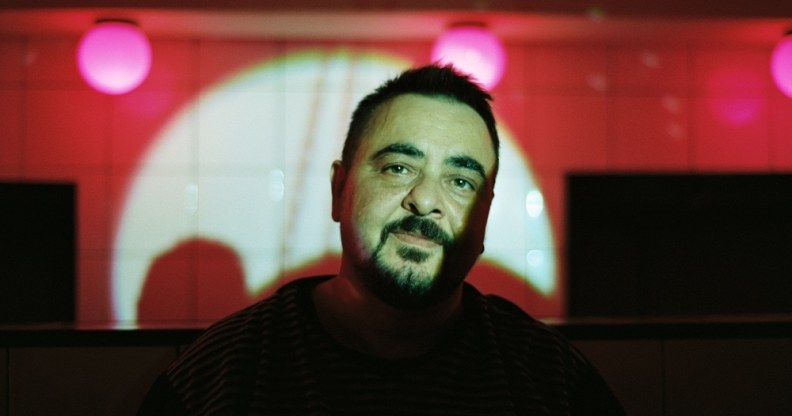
396	331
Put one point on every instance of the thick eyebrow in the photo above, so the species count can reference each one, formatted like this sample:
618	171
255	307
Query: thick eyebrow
463	162
466	162
400	148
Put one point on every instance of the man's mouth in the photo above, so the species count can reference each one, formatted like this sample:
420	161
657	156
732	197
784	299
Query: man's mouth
416	239
417	231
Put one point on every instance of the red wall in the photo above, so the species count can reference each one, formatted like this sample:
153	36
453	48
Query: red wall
676	106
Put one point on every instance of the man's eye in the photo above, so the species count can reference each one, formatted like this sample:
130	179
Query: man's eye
463	184
395	169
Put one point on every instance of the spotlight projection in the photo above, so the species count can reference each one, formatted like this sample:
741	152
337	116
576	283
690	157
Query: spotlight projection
243	172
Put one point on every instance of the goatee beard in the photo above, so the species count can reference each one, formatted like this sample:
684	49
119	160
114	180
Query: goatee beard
410	287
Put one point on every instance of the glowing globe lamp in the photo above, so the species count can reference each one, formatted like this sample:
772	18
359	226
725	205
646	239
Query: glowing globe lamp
114	57
473	50
781	65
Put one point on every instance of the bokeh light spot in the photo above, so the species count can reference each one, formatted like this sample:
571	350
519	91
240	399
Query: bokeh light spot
473	50
114	57
781	65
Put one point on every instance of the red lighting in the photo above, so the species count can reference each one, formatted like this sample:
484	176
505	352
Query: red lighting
473	50
114	57
781	65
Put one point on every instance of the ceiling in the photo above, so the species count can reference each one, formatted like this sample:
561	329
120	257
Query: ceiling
617	20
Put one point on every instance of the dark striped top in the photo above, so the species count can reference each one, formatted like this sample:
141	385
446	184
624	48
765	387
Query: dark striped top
275	358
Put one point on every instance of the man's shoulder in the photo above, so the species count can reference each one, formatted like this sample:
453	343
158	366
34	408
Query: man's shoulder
499	309
289	292
531	346
509	321
534	351
287	300
244	332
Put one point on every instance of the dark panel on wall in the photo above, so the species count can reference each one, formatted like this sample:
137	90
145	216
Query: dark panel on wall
37	252
663	245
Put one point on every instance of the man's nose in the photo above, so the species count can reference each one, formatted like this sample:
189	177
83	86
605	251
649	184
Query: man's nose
425	198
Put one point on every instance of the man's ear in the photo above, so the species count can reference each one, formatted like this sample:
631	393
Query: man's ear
338	175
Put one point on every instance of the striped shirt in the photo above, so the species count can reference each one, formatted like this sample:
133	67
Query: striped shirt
275	358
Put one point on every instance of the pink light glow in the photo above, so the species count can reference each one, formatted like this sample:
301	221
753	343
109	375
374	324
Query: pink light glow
472	50
114	57
736	110
781	65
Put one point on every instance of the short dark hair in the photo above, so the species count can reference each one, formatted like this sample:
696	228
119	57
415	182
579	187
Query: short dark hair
432	81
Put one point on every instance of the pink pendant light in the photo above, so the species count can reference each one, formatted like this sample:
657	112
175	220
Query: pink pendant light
114	56
474	50
781	64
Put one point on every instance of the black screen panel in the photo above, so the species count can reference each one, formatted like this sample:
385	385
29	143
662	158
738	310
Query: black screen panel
669	244
37	252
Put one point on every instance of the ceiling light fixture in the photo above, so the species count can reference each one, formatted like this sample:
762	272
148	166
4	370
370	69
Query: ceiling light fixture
781	64
114	56
474	50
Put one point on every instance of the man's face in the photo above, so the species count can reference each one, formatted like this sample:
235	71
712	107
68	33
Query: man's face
414	202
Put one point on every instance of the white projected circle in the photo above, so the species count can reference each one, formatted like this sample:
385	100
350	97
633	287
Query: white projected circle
247	164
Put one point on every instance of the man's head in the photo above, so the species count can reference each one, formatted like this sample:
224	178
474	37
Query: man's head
431	81
413	190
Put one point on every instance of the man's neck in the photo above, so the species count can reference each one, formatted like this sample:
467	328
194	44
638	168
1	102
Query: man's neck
359	320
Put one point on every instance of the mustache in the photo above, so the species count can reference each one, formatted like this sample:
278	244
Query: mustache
423	226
